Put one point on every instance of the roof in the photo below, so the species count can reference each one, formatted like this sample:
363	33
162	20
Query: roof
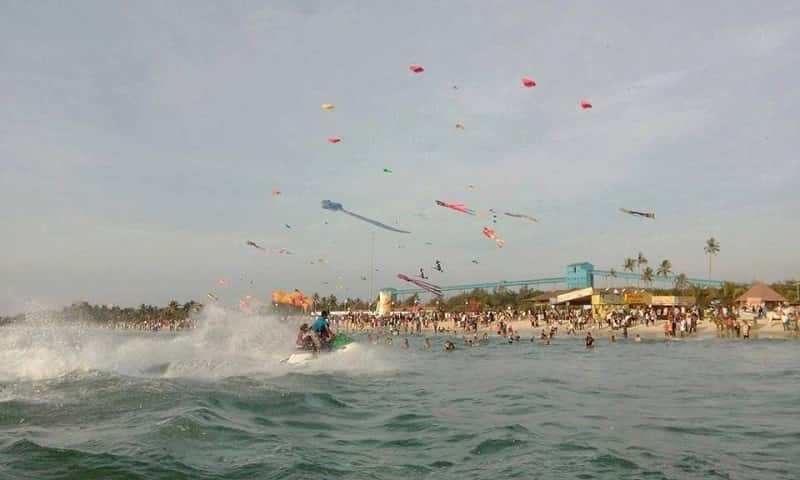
545	297
762	292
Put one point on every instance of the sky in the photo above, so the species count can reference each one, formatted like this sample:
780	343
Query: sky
140	143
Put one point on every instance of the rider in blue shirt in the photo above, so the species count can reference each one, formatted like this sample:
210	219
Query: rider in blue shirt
321	330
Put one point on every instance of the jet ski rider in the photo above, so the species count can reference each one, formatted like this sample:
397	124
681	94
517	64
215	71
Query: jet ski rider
321	330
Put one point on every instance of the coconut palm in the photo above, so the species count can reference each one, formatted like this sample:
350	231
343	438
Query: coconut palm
641	260
629	265
712	248
665	269
681	282
647	276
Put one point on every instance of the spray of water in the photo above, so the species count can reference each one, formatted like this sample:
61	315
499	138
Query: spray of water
224	344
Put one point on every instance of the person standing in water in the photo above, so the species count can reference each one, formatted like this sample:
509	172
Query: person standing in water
426	344
589	340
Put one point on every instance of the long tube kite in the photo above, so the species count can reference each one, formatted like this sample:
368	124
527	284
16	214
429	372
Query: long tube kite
424	285
337	207
458	207
253	244
491	234
638	214
522	215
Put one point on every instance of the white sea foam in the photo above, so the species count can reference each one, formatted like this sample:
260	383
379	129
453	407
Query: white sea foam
225	343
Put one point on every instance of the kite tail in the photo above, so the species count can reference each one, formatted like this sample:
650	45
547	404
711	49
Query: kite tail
377	224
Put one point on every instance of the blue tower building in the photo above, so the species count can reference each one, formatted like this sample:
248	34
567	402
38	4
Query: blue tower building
580	275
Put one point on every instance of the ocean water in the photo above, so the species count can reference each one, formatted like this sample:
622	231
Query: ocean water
217	403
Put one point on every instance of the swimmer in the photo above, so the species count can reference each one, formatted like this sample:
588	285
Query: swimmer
637	338
448	346
426	344
613	339
589	340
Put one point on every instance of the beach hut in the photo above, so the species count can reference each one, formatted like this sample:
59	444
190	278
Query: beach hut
761	294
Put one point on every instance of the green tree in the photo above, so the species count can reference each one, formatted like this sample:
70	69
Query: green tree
681	282
640	261
664	269
412	300
712	248
647	276
629	264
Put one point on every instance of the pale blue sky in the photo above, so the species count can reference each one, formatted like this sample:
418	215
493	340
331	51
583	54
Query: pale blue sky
140	142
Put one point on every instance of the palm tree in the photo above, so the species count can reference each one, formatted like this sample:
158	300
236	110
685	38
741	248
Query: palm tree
711	249
681	282
641	260
629	264
647	276
665	269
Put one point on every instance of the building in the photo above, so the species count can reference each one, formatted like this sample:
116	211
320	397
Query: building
761	295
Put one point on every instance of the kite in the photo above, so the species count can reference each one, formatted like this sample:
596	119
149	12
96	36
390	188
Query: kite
471	185
424	285
639	214
253	244
275	193
522	215
428	243
386	170
295	298
328	106
585	104
334	139
224	282
438	266
337	207
491	234
212	297
460	126
287	226
244	306
458	207
416	68
475	262
363	277
528	82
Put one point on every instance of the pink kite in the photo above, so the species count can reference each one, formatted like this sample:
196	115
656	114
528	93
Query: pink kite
244	306
528	82
275	193
224	282
491	234
424	285
416	68
585	104
458	207
334	139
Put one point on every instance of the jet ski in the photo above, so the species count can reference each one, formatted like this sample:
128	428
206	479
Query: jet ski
307	350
